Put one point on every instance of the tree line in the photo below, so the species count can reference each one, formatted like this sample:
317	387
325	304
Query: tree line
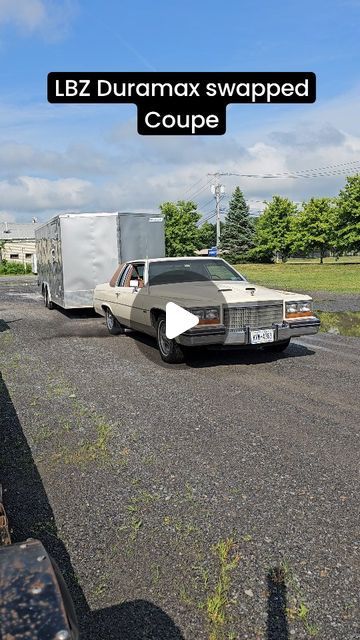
283	229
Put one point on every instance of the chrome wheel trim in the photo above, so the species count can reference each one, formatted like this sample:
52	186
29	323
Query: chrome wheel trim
164	342
110	320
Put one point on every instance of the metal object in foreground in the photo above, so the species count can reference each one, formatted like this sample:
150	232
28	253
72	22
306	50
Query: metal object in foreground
34	602
4	525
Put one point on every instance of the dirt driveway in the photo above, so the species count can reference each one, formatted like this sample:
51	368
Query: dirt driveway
212	500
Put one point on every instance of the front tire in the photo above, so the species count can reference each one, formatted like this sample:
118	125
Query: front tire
170	351
278	347
113	326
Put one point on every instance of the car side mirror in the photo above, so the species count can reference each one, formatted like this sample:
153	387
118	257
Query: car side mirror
134	283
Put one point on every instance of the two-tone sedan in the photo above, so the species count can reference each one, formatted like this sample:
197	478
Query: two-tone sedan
231	311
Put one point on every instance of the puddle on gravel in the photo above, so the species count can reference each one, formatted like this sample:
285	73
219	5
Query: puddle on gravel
343	323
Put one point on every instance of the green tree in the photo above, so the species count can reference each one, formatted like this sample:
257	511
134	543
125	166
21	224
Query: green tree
348	216
181	232
237	235
206	235
274	227
259	253
313	228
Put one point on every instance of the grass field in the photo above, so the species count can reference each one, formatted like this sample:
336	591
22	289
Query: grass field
293	276
341	260
346	323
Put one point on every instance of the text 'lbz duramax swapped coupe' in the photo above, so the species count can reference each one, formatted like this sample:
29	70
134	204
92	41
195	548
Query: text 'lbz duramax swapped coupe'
230	310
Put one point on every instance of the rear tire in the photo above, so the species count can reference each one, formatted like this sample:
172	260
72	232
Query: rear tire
279	347
113	326
48	303
170	351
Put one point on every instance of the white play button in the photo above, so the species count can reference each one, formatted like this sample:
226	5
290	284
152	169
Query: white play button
178	320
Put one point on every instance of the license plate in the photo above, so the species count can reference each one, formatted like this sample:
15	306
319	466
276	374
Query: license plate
262	335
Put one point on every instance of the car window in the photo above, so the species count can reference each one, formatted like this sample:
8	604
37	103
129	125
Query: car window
219	271
132	272
138	271
159	274
124	276
187	270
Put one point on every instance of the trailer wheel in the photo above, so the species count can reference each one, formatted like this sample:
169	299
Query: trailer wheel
48	303
113	326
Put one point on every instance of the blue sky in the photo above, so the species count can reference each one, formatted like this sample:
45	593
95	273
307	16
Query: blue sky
60	157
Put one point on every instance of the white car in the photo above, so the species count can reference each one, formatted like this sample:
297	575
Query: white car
231	311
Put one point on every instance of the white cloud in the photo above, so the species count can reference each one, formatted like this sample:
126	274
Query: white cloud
50	18
27	14
28	194
6	217
78	159
120	170
309	136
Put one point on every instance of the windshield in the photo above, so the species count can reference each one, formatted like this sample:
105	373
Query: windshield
187	270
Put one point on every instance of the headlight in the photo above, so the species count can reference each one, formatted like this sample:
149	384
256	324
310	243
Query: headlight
207	315
212	314
291	307
299	309
197	312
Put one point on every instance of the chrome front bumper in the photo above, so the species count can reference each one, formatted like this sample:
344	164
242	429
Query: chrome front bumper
203	336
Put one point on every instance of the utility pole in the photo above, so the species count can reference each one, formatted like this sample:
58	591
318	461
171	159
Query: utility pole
217	190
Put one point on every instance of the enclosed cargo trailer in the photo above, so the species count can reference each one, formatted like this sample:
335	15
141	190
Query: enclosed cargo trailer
77	251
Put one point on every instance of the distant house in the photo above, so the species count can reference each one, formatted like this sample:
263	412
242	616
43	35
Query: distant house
17	241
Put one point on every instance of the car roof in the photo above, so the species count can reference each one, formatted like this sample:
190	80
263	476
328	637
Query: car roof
200	258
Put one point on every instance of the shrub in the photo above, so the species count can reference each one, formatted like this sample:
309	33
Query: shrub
14	268
258	254
253	255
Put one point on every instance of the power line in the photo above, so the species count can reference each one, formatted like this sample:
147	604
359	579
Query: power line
329	170
192	195
211	215
194	185
206	203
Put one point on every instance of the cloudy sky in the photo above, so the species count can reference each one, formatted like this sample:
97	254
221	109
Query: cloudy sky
89	157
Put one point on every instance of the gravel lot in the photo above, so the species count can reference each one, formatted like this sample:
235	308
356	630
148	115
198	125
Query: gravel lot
133	472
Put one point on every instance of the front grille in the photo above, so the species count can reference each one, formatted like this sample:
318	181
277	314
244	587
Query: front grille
253	316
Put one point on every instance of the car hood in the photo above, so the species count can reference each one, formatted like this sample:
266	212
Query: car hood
221	292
